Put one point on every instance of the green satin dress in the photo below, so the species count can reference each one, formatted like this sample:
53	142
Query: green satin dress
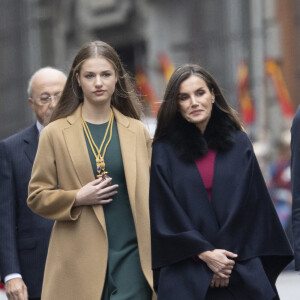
124	277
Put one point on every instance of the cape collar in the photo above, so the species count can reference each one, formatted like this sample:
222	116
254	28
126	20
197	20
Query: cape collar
190	144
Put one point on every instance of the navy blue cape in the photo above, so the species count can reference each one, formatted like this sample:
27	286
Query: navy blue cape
240	218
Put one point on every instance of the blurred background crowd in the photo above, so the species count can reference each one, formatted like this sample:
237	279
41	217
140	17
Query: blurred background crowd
252	48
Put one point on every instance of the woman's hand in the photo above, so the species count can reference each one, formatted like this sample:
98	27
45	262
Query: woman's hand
98	191
219	282
217	260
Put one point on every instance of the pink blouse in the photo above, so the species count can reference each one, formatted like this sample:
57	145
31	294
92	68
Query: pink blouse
205	166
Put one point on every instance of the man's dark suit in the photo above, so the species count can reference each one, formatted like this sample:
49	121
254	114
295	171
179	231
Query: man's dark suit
295	176
24	236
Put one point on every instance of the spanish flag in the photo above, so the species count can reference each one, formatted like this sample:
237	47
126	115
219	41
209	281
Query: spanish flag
245	101
273	70
145	88
166	65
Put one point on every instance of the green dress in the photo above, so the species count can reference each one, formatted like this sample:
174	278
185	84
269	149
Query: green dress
124	277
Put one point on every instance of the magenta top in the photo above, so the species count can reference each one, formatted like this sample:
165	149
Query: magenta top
205	166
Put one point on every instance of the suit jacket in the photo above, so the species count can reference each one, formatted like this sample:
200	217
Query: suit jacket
24	236
295	176
240	217
78	249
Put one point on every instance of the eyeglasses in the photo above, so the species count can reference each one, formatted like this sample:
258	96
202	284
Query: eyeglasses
46	99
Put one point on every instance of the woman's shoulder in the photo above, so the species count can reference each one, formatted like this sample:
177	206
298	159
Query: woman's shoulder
55	127
241	139
296	121
133	124
60	122
162	146
241	135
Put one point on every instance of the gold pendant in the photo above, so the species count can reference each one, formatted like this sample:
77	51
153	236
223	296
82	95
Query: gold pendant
101	168
102	165
102	175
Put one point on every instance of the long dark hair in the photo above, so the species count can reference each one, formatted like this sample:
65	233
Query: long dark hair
169	107
124	98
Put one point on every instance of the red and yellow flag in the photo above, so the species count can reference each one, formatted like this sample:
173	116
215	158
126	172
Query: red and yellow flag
273	70
166	65
145	88
246	103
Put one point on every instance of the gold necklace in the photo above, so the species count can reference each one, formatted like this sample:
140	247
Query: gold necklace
97	151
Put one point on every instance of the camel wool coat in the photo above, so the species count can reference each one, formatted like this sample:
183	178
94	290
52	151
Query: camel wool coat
78	250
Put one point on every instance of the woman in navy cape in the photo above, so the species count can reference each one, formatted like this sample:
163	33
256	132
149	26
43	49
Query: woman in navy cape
215	232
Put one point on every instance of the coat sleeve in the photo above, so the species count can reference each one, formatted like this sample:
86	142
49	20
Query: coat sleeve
295	176
9	261
45	198
173	235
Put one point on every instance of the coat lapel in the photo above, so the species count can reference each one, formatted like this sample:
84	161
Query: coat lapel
77	148
127	139
78	151
31	143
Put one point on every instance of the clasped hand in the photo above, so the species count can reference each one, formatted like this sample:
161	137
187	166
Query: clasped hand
219	262
98	191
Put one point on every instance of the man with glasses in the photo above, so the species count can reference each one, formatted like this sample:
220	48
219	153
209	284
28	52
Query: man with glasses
24	236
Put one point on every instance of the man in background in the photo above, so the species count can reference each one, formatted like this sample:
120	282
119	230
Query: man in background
295	176
24	236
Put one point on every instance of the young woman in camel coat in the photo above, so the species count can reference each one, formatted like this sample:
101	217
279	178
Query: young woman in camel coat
82	263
